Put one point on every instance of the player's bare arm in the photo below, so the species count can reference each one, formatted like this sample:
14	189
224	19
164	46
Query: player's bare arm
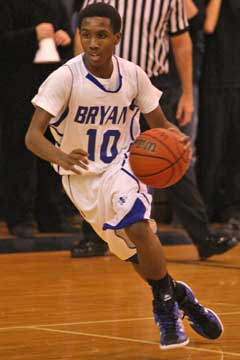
42	147
182	51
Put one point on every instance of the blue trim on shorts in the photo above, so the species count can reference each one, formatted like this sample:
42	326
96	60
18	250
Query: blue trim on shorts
146	198
133	259
133	177
135	214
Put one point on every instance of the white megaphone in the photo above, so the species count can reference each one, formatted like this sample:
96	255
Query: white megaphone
47	52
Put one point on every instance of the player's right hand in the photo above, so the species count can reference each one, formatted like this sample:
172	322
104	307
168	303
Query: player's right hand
184	139
77	158
44	30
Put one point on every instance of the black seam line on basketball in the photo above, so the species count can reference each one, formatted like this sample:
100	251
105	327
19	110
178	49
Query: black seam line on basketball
159	140
158	157
151	156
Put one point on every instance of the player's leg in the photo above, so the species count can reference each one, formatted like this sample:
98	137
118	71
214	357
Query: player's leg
203	320
152	267
108	217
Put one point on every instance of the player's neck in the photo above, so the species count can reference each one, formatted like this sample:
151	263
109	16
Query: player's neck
103	71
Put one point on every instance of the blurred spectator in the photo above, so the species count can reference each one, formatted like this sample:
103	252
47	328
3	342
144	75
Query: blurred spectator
2	187
69	5
219	132
33	189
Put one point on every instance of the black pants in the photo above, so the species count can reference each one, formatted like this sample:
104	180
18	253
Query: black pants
218	147
184	196
32	186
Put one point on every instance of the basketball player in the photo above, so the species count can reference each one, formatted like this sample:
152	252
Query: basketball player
92	104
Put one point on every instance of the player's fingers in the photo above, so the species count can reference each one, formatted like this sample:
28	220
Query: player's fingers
75	170
187	145
79	155
79	151
182	137
76	162
75	158
82	165
175	130
185	140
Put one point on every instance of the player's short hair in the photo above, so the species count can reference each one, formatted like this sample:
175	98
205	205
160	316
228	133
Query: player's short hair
102	10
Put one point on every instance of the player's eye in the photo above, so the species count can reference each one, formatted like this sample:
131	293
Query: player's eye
102	35
85	35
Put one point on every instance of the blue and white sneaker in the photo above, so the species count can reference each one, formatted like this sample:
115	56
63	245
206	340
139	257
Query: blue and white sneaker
202	320
172	334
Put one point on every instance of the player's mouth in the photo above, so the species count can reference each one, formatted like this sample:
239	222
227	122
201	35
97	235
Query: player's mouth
94	56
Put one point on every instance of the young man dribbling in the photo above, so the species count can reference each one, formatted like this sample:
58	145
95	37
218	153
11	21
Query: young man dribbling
92	105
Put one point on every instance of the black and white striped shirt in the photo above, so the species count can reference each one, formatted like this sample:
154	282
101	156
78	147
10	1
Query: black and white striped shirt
146	28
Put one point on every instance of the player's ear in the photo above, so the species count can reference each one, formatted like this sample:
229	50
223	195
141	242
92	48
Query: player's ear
117	38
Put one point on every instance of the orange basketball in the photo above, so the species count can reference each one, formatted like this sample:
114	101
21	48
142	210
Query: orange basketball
158	158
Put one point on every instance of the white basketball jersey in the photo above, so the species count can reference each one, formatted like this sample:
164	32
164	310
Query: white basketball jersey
100	116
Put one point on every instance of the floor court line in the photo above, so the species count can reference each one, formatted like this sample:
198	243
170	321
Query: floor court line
20	327
192	348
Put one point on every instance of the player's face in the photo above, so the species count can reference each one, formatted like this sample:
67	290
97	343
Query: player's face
98	42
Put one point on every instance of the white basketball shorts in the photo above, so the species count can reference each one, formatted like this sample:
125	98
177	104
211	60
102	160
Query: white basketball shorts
109	202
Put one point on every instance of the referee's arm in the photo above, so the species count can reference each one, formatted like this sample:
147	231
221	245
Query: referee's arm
182	51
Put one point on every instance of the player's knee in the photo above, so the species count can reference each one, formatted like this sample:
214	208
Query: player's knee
138	232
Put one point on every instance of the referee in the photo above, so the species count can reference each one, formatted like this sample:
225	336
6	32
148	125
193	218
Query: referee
150	28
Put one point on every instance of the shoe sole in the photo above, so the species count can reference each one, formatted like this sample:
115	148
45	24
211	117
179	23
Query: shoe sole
174	346
209	310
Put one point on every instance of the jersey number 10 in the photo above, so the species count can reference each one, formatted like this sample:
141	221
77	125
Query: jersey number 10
107	152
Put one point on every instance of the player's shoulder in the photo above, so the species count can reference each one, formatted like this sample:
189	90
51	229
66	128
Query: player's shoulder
65	71
62	76
75	60
76	66
129	68
125	64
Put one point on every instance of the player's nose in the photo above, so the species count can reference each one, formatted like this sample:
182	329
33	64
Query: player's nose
93	43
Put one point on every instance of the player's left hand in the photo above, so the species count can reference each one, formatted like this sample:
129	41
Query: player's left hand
62	38
73	161
185	109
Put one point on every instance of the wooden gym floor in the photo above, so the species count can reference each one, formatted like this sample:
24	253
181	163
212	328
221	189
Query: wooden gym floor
54	307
